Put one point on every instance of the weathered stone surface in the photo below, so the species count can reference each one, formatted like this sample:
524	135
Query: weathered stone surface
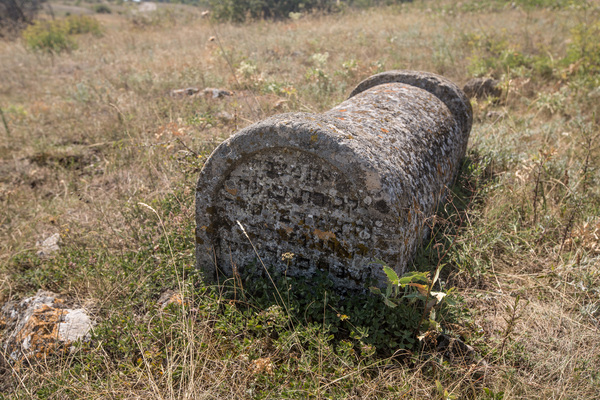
48	245
213	93
339	190
480	88
190	91
40	325
225	116
216	93
170	297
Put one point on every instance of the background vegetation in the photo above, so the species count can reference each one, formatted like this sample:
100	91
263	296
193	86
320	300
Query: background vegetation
16	13
94	147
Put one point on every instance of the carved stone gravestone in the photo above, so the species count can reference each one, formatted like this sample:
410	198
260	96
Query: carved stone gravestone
339	190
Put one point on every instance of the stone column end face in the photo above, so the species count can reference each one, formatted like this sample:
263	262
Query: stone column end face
292	133
444	89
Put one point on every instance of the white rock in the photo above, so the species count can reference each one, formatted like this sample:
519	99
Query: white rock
49	245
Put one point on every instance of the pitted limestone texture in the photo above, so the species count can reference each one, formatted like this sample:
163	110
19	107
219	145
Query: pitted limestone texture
339	190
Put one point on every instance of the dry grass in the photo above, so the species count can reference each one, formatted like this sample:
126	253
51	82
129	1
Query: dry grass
94	132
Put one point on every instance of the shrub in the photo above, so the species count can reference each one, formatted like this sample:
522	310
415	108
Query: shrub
102	9
158	19
240	10
81	24
56	36
584	49
49	37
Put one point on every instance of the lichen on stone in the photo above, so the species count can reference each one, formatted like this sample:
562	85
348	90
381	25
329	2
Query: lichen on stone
339	190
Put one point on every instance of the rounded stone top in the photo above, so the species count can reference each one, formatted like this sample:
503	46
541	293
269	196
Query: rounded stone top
321	135
444	89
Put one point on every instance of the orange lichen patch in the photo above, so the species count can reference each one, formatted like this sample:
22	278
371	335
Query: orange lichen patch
40	334
384	130
176	299
261	366
324	235
344	110
171	297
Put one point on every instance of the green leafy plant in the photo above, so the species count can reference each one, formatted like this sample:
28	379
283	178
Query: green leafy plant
443	393
358	317
409	287
489	394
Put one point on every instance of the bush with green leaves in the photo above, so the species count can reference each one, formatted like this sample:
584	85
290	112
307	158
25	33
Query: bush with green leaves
583	53
102	9
81	24
240	10
49	37
57	36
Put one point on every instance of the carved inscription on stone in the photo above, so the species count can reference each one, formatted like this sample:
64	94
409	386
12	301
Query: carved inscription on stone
341	190
291	201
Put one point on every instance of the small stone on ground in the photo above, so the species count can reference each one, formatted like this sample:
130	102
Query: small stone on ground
40	325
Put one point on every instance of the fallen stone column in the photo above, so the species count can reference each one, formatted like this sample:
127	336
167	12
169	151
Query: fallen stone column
339	190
